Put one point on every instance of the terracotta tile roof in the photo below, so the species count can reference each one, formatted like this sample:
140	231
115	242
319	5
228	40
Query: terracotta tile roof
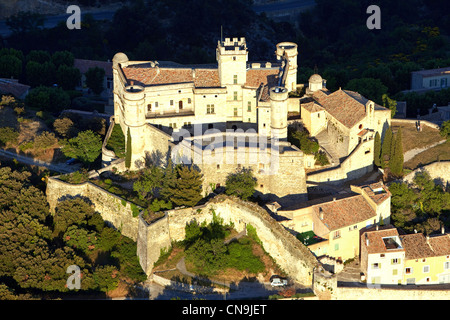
347	107
256	77
344	212
378	192
312	106
84	65
440	244
376	241
143	74
416	246
11	86
206	78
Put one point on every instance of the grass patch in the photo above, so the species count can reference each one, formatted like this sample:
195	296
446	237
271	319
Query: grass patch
438	153
412	139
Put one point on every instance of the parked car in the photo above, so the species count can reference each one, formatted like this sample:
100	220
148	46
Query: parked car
277	281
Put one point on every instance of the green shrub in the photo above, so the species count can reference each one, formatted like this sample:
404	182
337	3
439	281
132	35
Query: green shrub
8	134
26	146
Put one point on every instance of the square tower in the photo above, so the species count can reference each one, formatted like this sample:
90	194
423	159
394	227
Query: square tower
232	57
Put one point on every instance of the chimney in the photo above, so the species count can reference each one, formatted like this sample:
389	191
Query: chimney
320	214
376	227
442	229
428	239
367	240
334	199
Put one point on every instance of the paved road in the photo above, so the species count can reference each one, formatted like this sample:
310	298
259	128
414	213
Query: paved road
52	21
58	167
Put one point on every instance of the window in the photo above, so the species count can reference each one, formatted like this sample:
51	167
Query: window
395	261
336	247
189	101
234	58
235	112
446	265
376	266
394	272
235	95
249	106
408	270
156	104
426	269
337	234
218	166
179	91
209	108
171	102
382	255
235	79
149	107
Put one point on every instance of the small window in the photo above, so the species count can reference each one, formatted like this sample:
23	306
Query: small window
235	112
261	186
336	247
376	266
394	272
218	166
179	91
446	265
360	126
235	79
382	255
189	101
249	106
408	270
156	104
234	58
171	102
426	269
235	94
149	107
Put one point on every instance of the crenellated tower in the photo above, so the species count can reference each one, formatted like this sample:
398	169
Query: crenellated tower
288	51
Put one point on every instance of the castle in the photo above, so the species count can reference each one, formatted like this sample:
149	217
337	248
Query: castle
236	114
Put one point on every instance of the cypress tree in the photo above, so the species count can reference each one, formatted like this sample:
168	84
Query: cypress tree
386	146
169	182
377	150
128	151
396	162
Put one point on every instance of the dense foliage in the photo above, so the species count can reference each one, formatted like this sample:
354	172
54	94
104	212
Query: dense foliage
241	183
36	248
207	251
424	206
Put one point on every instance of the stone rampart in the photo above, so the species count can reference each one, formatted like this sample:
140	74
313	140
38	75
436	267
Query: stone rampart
439	171
115	211
294	258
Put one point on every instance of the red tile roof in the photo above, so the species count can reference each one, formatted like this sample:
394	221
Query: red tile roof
344	212
11	86
346	106
206	78
256	77
416	246
373	240
440	244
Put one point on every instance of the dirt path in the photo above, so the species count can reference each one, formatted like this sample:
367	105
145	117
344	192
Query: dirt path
408	155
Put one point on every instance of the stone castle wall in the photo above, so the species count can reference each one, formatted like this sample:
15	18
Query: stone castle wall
353	167
115	211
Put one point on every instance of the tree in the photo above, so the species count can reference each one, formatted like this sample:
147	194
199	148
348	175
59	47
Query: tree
188	188
86	147
390	104
444	130
64	127
63	58
94	79
386	146
377	150
25	21
69	212
67	77
148	182
47	99
372	89
396	159
128	150
10	67
241	184
106	278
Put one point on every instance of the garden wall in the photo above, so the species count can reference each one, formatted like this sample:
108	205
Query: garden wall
437	170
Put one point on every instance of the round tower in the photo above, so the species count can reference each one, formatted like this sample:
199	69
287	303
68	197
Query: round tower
315	83
290	50
278	112
134	120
